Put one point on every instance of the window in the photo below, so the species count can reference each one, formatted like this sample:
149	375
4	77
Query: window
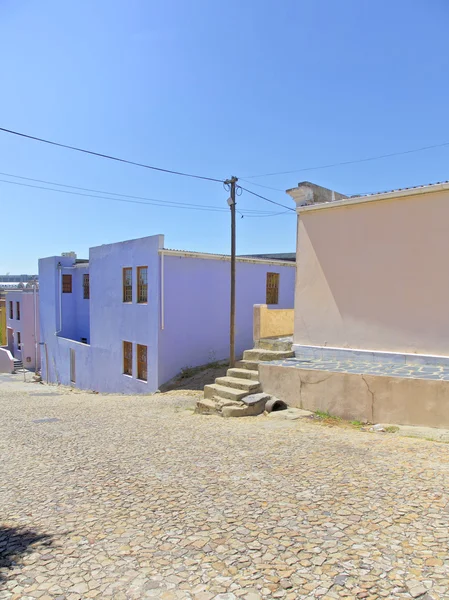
272	288
127	358
18	311
86	289
66	284
19	341
127	284
142	284
11	310
141	362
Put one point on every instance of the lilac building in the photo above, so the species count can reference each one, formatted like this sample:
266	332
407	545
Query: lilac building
22	327
136	314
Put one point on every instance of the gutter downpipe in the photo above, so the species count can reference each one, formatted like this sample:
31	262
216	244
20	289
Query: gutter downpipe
35	330
162	292
60	298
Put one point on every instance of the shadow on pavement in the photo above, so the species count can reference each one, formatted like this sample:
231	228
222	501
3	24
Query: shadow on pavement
14	543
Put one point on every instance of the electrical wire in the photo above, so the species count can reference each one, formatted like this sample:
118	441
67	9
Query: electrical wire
267	199
147	201
349	162
93	153
267	187
108	193
284	212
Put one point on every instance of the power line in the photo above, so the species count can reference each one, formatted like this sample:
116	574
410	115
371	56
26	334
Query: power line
267	199
284	212
267	187
350	162
108	193
93	153
147	201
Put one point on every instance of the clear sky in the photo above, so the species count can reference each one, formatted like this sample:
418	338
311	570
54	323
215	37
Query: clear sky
219	88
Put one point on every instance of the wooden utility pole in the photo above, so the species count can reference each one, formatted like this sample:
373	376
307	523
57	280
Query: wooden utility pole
231	201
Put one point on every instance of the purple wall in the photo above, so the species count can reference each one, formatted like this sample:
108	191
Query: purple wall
195	299
196	308
113	321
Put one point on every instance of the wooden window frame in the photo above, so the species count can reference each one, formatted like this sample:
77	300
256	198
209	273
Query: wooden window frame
18	311
67	283
127	358
142	362
86	286
272	288
142	287
127	287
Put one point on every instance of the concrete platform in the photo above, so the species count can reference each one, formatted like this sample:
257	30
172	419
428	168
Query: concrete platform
357	390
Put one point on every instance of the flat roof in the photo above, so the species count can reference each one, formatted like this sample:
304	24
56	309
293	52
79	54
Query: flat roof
398	193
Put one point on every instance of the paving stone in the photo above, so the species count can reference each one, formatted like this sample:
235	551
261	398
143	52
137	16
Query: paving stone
137	497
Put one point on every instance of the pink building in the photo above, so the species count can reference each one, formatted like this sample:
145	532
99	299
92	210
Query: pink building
22	327
371	325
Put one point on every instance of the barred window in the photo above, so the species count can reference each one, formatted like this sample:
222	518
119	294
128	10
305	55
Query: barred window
142	284
127	358
127	284
142	362
66	284
272	288
86	289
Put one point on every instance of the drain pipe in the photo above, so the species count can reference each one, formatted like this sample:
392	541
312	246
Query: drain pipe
162	292
35	329
60	298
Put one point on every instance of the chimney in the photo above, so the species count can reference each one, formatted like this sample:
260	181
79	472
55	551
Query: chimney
309	193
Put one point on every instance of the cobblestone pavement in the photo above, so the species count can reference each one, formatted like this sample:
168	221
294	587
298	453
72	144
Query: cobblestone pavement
137	497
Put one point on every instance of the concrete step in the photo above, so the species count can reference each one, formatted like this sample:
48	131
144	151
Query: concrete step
243	373
214	389
248	385
207	406
265	355
251	365
277	344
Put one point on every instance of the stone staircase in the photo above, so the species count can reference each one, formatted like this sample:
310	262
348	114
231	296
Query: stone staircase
18	365
240	393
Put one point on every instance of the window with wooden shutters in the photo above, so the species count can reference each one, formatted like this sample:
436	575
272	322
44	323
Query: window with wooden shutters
142	284
127	284
272	288
66	284
86	289
127	358
141	362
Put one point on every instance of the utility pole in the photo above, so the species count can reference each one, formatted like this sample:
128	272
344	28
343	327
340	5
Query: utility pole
230	185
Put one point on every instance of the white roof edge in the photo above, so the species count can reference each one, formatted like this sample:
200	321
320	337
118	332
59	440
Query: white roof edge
189	254
425	189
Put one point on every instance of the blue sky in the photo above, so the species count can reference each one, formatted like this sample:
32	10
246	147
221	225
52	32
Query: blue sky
240	87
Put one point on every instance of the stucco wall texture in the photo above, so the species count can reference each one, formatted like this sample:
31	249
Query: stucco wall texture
373	276
185	322
24	326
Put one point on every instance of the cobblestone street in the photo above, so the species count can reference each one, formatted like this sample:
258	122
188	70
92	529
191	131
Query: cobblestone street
137	497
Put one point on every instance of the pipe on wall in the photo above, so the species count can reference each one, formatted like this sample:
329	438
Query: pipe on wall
162	293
